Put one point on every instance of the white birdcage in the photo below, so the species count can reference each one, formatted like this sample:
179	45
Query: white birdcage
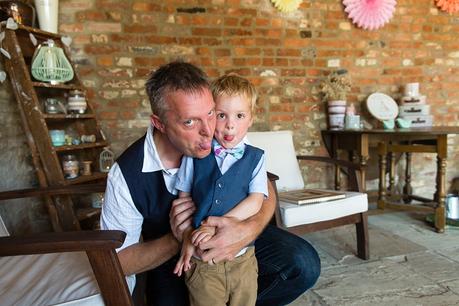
106	160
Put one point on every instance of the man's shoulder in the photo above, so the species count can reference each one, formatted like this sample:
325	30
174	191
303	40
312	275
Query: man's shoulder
133	152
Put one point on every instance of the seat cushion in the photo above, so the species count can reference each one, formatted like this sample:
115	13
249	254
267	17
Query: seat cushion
48	279
293	215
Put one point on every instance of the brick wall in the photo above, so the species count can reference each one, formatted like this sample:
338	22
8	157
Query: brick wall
117	43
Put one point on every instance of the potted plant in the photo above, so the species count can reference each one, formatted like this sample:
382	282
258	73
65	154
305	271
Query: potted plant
334	90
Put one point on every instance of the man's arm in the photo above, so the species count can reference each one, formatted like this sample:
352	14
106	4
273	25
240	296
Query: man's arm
148	255
120	213
232	234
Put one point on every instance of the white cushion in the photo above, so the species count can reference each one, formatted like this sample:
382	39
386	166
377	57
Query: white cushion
293	215
280	157
47	279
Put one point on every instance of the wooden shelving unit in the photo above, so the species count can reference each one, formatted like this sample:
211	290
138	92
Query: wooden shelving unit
31	96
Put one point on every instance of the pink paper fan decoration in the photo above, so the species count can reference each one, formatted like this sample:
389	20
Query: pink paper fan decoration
370	14
449	6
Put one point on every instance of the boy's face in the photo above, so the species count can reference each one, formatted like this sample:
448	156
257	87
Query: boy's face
234	117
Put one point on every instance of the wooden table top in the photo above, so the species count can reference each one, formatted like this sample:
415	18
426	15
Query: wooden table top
434	130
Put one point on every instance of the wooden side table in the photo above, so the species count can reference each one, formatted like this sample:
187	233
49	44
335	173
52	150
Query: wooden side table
390	142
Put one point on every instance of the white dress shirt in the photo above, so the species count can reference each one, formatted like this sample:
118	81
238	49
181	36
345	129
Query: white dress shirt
119	211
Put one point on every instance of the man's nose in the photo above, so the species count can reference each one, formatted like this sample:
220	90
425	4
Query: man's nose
206	129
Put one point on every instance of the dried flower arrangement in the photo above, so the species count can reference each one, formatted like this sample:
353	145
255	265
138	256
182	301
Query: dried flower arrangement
336	85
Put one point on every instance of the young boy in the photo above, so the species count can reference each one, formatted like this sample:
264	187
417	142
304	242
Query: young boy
231	181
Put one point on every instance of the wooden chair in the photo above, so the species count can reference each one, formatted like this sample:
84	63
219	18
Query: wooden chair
61	273
299	219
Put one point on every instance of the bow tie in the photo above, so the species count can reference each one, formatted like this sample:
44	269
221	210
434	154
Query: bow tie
222	152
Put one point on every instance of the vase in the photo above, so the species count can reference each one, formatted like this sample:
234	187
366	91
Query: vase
47	12
336	113
21	12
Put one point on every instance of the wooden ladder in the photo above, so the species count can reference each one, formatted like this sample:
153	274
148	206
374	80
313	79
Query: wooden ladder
65	211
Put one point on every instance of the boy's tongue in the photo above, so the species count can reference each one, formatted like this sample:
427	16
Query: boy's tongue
228	137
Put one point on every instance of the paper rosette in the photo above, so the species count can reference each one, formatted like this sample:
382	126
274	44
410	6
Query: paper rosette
370	14
286	5
449	6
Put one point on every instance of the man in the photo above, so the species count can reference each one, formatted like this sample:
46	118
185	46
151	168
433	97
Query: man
140	200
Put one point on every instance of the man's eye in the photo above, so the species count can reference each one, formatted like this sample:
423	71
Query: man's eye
188	122
221	116
240	116
211	113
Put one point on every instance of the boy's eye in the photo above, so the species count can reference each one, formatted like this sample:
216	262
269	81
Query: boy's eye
188	122
241	116
221	116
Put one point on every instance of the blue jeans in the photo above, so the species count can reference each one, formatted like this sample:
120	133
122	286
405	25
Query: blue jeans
287	267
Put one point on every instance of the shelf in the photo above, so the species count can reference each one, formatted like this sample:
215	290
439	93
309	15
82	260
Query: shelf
86	178
86	213
68	116
81	146
58	86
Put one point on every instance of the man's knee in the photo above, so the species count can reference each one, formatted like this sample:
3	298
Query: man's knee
305	266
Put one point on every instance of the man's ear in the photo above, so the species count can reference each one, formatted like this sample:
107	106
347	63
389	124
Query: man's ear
157	123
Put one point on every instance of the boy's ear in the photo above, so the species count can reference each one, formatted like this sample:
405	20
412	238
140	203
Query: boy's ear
157	123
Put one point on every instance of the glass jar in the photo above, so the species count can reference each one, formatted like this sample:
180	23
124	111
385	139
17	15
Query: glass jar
70	166
76	102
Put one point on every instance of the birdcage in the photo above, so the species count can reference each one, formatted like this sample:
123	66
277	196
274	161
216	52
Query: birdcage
49	64
106	160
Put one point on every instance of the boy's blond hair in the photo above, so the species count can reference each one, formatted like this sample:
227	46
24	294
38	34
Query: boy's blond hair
233	85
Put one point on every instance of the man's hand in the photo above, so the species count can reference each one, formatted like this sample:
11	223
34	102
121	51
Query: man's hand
180	216
231	236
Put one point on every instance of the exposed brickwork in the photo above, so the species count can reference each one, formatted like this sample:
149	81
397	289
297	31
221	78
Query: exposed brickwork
285	55
117	43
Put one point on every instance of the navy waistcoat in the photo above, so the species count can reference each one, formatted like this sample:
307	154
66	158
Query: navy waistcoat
216	194
148	191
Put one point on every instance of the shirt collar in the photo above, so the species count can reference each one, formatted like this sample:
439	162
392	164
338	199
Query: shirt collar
151	160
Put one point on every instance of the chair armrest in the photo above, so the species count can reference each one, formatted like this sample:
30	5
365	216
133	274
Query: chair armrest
338	162
272	177
351	167
61	242
99	247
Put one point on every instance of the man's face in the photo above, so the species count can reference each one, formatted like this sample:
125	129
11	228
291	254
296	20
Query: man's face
190	122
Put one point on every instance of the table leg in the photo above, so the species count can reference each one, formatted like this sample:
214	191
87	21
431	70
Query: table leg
391	174
382	152
442	153
407	189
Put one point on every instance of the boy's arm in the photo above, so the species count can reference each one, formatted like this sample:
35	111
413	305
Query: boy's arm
232	234
247	207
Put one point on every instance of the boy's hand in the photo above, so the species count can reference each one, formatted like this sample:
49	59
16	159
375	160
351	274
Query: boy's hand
202	234
180	216
188	249
231	236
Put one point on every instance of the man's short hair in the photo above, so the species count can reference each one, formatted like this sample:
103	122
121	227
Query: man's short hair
234	85
174	76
